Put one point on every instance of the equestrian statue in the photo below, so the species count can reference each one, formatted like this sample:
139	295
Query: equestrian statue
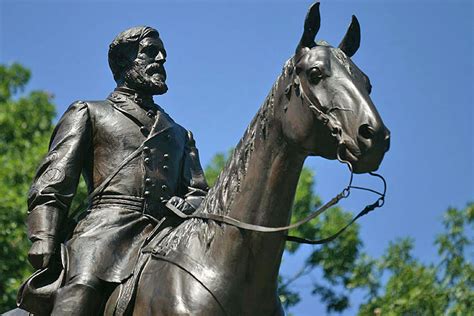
155	239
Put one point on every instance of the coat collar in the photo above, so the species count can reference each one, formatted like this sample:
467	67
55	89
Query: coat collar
143	100
127	104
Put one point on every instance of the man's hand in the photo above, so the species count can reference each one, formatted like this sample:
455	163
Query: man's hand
40	253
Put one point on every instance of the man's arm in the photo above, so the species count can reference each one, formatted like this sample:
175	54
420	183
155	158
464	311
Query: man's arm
56	182
193	181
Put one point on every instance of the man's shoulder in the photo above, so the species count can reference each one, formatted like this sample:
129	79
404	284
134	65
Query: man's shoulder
78	104
90	106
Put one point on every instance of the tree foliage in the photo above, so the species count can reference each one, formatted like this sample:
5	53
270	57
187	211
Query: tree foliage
445	287
26	124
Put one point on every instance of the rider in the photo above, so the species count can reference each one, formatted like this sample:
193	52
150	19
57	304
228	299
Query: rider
133	157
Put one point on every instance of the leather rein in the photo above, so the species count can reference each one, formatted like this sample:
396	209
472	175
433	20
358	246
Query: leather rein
326	120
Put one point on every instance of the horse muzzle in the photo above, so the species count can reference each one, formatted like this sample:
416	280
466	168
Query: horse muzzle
367	154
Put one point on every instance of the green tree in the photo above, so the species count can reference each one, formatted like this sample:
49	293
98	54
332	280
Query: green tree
339	261
445	287
26	124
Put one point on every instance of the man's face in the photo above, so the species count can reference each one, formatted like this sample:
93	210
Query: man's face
147	73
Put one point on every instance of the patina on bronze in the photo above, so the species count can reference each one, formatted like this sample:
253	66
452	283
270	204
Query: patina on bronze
134	164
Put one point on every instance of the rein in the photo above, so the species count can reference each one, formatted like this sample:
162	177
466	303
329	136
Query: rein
326	120
265	229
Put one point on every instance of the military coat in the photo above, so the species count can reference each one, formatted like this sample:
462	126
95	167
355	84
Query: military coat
94	138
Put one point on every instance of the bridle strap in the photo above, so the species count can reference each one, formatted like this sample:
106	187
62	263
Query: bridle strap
251	227
365	211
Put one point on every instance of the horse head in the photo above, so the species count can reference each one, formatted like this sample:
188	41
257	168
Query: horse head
328	111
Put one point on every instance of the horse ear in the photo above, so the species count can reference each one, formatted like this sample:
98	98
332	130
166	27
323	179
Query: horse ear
351	41
311	28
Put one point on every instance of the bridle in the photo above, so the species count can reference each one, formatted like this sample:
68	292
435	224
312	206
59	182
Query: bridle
326	120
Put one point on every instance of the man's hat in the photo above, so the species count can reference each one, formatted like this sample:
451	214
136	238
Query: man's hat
36	294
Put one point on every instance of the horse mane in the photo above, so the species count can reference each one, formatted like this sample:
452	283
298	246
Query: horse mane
221	196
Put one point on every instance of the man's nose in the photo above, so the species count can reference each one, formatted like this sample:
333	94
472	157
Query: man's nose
160	57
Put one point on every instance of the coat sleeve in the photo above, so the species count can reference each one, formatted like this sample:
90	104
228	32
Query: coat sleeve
194	183
57	177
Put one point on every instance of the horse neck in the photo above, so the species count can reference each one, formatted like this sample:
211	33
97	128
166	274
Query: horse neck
259	181
258	186
266	189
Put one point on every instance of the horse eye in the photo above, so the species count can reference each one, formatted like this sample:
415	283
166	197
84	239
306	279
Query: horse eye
315	75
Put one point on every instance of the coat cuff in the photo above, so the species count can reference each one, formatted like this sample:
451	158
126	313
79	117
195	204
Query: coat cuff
43	223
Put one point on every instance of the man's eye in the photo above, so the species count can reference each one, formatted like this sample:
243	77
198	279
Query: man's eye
151	51
315	75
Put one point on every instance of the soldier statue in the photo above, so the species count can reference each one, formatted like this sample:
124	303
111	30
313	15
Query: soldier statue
133	157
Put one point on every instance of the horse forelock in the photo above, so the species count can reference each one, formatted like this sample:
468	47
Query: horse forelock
353	71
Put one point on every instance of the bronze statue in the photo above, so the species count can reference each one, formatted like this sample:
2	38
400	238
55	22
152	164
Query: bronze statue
133	156
147	229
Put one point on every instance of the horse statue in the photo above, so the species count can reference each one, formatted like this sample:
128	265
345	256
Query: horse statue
318	106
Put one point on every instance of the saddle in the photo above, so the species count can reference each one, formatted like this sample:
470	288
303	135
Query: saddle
123	301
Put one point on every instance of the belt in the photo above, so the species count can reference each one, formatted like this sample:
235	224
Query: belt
133	203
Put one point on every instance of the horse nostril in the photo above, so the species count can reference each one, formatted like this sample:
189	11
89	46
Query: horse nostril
366	131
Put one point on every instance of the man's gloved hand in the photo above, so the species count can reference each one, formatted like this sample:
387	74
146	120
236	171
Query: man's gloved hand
182	205
40	253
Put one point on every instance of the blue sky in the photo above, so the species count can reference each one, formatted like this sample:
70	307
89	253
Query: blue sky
223	57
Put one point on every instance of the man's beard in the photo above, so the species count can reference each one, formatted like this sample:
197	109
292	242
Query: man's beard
138	79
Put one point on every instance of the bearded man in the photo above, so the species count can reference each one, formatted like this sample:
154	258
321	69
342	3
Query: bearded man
133	157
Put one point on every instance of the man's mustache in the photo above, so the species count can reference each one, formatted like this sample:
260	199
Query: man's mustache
154	68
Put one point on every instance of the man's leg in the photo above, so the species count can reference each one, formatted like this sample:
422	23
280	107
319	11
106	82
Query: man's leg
82	295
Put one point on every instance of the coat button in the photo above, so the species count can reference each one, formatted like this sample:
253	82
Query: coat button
146	150
164	187
147	160
148	181
166	156
144	130
146	193
165	168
